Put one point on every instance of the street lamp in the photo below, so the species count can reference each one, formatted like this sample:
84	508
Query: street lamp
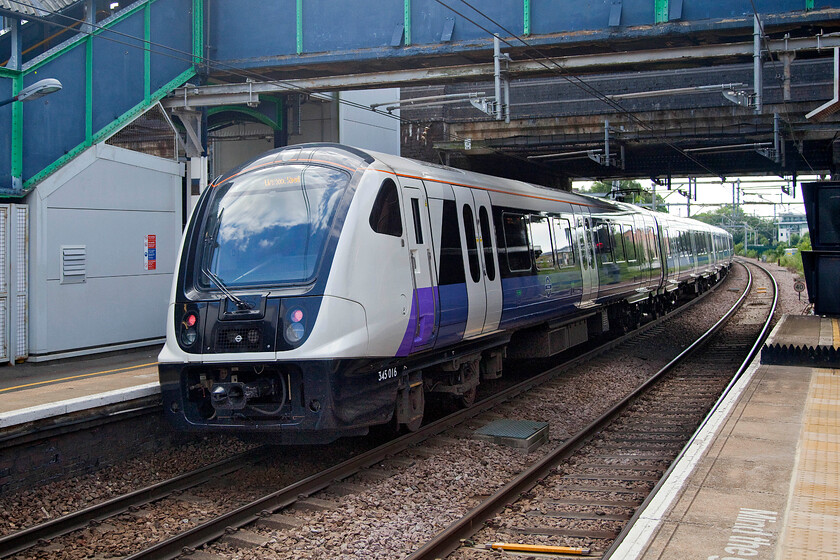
36	90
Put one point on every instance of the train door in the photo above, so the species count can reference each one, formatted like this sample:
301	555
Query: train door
643	259
418	233
589	272
476	291
489	260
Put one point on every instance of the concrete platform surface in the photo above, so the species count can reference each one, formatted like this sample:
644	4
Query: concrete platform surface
761	479
30	392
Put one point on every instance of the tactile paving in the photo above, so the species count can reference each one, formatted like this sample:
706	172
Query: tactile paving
812	527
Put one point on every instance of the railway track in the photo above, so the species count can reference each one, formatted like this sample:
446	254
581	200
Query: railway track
582	497
266	508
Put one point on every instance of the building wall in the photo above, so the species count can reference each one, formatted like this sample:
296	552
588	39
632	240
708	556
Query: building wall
365	129
228	154
321	121
108	199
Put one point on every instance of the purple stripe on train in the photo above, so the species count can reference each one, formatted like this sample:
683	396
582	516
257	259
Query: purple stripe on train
420	334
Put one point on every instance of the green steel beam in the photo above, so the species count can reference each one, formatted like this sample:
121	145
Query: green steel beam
275	125
198	32
147	52
82	38
8	73
89	90
660	8
299	25
526	17
17	131
809	5
117	124
91	136
407	22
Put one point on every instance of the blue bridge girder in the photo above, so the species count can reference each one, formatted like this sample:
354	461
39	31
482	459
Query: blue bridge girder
124	64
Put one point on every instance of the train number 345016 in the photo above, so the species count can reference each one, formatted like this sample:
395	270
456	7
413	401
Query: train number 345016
388	373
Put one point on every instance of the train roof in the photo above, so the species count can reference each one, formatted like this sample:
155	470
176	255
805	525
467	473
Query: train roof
354	158
444	174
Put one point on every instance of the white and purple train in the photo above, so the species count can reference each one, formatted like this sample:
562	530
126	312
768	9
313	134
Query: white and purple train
322	289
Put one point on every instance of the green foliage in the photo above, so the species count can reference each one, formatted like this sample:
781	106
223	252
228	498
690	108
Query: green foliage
804	243
792	262
764	228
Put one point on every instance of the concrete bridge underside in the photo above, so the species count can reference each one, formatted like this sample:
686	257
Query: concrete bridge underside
558	130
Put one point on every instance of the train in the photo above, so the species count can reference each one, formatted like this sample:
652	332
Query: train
322	289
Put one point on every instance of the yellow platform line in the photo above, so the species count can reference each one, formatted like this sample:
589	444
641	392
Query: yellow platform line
77	377
835	325
812	520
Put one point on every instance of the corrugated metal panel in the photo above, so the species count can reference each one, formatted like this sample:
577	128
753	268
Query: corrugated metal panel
35	7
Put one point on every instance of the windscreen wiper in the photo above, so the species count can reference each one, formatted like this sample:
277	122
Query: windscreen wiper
240	303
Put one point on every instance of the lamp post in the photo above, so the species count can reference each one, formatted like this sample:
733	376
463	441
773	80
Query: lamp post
36	90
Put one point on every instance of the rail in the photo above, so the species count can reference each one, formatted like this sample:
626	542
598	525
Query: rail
450	539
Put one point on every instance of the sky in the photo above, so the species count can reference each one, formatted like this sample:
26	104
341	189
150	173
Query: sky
756	195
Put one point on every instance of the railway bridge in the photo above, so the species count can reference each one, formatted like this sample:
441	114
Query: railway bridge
609	88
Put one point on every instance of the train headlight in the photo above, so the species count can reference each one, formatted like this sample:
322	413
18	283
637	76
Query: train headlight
189	330
295	329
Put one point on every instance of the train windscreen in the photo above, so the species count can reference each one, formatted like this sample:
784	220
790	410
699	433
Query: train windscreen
269	227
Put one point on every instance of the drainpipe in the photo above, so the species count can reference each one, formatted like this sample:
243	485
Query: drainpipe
606	143
758	84
497	71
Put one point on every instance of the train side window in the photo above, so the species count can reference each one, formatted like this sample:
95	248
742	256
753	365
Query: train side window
541	244
603	247
472	246
418	228
618	243
629	243
654	247
385	216
487	243
583	244
517	248
564	251
451	259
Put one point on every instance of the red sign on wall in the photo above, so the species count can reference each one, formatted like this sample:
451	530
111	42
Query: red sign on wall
150	252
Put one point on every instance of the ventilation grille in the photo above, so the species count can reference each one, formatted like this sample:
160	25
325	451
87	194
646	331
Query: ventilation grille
241	338
150	133
73	264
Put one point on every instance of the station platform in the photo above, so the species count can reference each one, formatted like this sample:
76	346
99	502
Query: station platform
761	479
32	392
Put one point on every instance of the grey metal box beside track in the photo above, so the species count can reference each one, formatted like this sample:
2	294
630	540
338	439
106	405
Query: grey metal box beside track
521	434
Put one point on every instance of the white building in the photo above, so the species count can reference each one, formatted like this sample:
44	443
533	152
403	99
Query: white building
790	224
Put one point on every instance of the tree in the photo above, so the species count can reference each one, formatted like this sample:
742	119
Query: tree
764	228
